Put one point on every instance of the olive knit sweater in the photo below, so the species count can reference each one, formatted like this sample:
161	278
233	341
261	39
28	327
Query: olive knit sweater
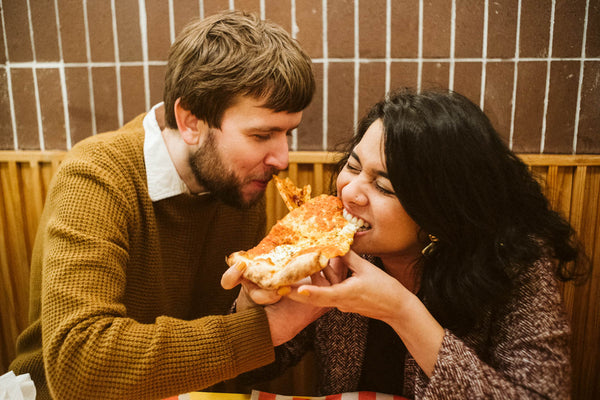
125	293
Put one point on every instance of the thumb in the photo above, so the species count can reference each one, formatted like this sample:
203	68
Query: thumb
233	276
354	262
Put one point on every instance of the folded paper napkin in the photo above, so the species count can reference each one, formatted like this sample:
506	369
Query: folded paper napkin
256	395
16	387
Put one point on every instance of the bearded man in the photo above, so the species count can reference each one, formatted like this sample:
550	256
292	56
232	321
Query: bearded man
126	300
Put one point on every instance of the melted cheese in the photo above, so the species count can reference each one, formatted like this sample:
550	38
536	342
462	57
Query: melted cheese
280	254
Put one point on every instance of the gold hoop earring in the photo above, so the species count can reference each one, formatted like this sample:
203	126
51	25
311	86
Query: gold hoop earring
427	250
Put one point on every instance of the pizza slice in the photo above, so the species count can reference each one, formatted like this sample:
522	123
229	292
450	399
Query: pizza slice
292	195
299	244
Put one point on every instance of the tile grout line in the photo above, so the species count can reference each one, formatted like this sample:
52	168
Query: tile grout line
388	45
294	33
63	80
36	89
9	82
171	22
88	53
144	39
513	107
57	64
581	72
325	74
356	65
452	46
117	63
548	75
420	48
486	10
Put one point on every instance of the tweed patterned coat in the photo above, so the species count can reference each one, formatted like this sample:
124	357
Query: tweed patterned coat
520	351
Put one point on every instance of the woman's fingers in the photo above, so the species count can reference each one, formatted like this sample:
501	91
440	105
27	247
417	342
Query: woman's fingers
335	271
322	296
354	262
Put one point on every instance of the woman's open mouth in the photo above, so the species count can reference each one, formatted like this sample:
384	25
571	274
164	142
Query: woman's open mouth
362	224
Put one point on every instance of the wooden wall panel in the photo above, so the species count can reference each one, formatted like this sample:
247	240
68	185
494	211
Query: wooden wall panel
571	183
24	180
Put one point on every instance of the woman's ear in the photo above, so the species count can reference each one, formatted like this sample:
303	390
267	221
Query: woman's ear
190	127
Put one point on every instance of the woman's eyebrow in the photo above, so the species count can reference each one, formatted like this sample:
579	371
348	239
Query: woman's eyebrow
381	173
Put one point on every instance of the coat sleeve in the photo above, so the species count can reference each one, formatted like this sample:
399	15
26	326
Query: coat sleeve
527	355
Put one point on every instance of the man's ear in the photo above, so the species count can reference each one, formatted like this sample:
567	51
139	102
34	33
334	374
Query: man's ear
191	128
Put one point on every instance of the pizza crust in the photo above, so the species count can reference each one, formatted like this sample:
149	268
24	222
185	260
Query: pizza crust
268	276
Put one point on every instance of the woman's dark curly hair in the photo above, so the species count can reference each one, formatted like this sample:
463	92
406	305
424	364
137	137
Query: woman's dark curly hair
458	181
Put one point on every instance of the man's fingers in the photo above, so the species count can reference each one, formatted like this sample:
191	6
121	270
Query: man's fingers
263	296
233	276
259	295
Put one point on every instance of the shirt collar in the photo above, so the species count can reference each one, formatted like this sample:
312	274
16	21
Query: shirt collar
163	179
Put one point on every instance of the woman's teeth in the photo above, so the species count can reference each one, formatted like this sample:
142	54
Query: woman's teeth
356	221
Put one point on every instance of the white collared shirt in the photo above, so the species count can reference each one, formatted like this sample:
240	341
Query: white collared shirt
163	179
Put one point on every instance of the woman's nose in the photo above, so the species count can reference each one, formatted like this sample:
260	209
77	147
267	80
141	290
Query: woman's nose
352	193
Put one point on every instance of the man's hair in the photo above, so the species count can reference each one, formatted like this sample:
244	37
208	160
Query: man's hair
219	58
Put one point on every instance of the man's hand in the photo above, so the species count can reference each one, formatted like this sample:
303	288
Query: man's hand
251	294
286	317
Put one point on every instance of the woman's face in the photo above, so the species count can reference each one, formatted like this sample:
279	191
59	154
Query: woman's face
367	194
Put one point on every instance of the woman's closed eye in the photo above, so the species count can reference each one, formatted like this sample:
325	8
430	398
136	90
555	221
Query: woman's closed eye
383	188
354	167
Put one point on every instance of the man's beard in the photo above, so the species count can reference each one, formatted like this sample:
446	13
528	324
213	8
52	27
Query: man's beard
212	174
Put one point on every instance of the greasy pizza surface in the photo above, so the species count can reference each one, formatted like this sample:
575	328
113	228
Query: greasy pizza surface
299	244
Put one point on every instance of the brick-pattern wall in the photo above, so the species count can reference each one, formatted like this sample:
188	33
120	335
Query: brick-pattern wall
74	68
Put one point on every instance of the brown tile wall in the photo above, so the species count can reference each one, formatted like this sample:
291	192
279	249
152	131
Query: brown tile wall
89	67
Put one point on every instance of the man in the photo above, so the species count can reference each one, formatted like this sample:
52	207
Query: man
125	293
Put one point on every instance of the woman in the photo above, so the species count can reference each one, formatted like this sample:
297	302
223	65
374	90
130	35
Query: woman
457	296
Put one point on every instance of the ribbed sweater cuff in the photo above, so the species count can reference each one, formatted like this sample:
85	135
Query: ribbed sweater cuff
251	338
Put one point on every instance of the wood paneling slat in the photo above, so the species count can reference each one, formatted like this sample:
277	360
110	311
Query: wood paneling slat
15	271
586	331
8	328
577	297
318	178
571	183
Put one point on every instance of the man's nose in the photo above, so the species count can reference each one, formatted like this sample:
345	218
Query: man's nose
278	156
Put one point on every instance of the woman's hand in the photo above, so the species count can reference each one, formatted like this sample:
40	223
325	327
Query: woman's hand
369	291
376	294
